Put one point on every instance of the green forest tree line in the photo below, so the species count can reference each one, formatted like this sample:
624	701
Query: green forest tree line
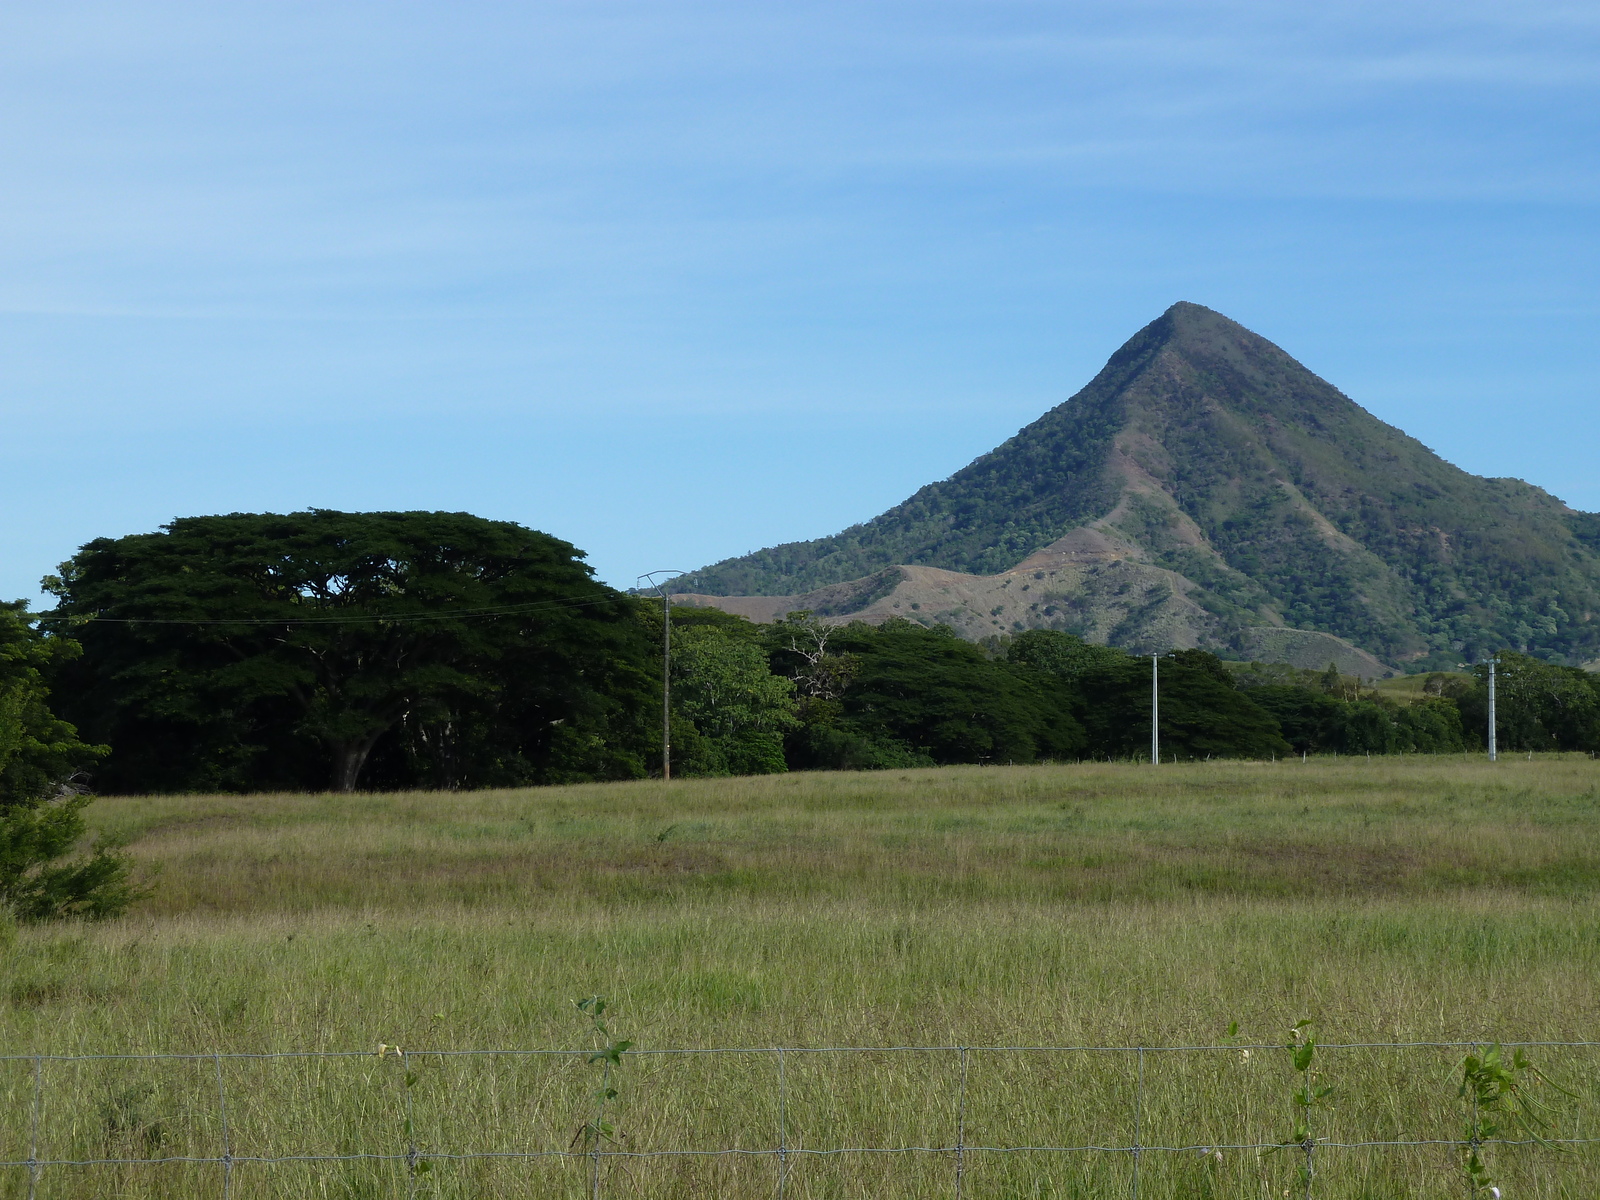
335	651
327	650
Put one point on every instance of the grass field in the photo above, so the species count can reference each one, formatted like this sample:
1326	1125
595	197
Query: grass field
1401	899
1410	688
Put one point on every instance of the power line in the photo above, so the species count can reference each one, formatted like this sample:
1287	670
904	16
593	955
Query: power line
349	619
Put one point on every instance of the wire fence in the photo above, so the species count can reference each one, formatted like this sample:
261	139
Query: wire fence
958	1121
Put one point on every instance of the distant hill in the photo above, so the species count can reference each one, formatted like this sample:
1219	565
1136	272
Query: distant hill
1207	489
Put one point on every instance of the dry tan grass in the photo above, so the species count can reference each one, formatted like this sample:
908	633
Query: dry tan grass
1110	905
1354	827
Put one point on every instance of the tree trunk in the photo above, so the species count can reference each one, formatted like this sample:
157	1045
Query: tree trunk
348	759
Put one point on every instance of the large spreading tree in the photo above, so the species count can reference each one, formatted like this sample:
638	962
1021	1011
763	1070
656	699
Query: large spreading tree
254	651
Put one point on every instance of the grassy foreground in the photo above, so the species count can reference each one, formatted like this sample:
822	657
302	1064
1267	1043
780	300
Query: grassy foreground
1106	905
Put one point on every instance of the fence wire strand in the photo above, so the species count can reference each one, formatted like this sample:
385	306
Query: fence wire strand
417	1157
512	1051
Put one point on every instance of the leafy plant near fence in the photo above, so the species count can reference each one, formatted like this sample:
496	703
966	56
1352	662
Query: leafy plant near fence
1499	1098
1308	1095
858	1122
608	1057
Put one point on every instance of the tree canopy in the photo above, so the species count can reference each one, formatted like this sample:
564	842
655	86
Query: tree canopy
400	650
1540	705
321	647
946	701
730	711
1202	713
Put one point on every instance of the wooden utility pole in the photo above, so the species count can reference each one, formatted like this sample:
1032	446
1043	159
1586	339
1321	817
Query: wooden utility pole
666	685
666	670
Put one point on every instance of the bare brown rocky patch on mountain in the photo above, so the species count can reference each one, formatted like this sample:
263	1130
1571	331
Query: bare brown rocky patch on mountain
1205	489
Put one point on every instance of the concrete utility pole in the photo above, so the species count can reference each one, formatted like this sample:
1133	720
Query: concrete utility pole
1155	710
666	670
1494	752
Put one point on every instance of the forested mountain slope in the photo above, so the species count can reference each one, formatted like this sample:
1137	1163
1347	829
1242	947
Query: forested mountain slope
1263	497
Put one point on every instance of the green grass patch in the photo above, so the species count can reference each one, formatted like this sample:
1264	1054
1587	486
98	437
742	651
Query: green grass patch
1397	900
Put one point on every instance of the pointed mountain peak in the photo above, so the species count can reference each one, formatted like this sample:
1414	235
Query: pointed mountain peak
1189	328
1260	493
1186	324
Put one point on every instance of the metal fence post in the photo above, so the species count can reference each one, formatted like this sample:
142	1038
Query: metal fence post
411	1126
1138	1124
961	1127
227	1143
33	1138
783	1126
1472	1133
599	1124
1311	1138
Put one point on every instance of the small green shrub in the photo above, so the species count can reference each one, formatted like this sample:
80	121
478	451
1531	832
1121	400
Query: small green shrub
41	810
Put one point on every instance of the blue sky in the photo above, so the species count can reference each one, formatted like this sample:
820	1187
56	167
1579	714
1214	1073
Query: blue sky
675	281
